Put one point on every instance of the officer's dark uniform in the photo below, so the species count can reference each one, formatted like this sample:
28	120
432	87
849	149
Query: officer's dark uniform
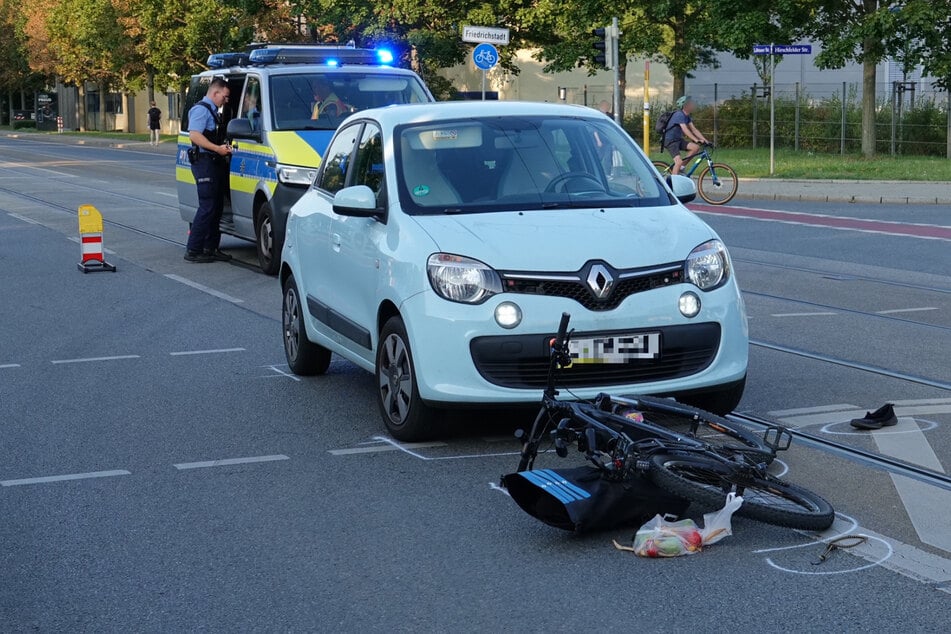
211	172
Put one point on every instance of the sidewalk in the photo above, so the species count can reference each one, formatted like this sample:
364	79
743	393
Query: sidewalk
875	192
868	192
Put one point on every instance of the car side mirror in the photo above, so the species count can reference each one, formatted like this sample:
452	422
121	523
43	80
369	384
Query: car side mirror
242	129
684	188
358	201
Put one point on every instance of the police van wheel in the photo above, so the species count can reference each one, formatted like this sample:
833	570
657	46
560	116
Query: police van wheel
269	242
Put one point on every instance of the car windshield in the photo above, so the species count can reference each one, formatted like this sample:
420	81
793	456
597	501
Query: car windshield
522	163
320	101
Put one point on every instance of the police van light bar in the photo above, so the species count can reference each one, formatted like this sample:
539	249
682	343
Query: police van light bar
384	56
225	60
329	55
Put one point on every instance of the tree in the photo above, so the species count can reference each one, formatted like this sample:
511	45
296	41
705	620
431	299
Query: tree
862	31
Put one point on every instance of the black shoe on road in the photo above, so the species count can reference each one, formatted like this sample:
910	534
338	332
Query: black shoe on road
884	416
198	257
218	255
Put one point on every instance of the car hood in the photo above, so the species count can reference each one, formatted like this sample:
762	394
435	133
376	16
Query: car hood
566	239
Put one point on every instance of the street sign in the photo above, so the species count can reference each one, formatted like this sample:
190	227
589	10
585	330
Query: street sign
485	56
782	49
490	34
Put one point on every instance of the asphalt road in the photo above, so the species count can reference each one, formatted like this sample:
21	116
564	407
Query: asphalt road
161	471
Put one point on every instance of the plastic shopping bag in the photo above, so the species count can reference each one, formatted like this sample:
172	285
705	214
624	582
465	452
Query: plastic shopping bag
664	538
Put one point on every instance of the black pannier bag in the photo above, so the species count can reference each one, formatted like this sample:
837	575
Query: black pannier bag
581	500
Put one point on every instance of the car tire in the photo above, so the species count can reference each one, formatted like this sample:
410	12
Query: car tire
719	401
269	242
304	357
405	415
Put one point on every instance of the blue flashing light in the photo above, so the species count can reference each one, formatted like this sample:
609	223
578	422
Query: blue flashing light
385	56
333	62
264	55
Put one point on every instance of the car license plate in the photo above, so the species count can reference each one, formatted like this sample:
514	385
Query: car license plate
615	348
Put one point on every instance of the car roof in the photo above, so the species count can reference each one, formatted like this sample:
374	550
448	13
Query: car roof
392	116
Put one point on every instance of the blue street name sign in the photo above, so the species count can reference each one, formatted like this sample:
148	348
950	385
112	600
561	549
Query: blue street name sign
782	49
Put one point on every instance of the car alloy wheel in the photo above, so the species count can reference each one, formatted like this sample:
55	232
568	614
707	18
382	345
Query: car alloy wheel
396	379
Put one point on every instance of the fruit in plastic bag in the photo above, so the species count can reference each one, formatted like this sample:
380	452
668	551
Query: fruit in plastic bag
660	537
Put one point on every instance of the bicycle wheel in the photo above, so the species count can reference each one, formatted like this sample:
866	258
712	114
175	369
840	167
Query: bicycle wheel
694	422
767	500
721	190
662	167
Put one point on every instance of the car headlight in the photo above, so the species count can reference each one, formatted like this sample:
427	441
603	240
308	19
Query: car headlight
293	175
461	279
708	266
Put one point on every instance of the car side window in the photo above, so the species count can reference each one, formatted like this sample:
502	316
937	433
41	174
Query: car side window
333	176
368	163
250	108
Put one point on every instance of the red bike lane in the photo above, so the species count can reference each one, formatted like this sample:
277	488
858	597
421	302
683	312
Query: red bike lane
927	231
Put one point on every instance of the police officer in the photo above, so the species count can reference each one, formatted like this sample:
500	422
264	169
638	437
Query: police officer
211	169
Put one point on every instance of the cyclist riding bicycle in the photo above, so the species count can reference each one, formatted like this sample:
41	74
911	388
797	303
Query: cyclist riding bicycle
681	134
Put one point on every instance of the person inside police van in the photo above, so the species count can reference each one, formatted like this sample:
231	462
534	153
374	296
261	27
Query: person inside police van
326	101
211	170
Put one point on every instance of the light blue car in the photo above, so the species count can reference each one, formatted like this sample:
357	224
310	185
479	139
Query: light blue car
440	244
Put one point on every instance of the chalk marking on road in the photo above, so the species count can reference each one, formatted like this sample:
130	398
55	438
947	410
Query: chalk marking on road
495	487
820	314
186	353
388	445
889	551
783	471
904	310
62	478
78	241
7	366
920	500
229	461
24	218
283	373
204	289
900	428
118	357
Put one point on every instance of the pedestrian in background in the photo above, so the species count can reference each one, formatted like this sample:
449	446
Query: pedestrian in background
210	167
155	123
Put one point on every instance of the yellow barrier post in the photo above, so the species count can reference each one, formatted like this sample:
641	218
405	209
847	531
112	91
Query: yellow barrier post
90	239
647	108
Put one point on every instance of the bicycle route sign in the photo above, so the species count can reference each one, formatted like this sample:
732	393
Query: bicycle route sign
782	49
485	56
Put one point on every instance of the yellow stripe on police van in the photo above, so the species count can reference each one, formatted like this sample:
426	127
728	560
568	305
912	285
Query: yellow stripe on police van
291	149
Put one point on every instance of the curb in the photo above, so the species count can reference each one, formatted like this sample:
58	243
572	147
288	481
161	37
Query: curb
868	200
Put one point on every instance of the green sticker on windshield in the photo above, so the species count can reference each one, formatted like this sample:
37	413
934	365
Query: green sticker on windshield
421	190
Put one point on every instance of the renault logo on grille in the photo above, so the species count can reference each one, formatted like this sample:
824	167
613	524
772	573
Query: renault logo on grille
600	281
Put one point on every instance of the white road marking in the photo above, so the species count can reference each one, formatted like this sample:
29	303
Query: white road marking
780	413
820	314
904	310
94	359
23	218
900	428
61	478
389	446
185	353
902	408
166	194
204	289
9	365
6	165
229	461
78	241
922	502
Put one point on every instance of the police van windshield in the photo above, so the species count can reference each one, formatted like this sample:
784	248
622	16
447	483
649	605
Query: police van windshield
522	163
320	101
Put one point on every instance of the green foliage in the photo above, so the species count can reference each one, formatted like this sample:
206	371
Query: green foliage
19	125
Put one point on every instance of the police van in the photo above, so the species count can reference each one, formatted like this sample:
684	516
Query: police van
286	101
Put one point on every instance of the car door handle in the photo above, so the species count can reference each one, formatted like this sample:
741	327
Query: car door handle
335	241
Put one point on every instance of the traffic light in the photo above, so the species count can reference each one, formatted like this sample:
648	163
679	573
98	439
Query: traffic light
605	47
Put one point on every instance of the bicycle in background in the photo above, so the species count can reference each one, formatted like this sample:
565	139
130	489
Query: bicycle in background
716	183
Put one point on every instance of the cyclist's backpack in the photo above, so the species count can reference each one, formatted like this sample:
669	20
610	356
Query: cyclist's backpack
662	125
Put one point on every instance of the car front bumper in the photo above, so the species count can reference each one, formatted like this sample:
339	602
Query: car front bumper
461	355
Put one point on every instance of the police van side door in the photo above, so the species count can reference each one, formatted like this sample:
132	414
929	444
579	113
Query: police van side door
248	162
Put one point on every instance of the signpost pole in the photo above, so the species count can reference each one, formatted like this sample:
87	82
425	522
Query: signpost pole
483	84
647	106
772	111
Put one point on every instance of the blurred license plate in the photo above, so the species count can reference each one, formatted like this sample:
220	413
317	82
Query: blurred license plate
616	348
